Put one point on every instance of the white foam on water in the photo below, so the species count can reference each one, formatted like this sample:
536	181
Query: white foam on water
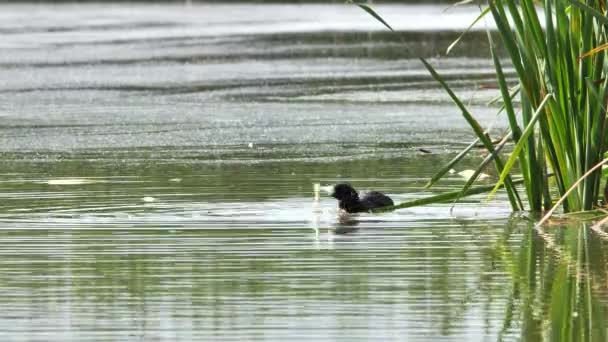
70	181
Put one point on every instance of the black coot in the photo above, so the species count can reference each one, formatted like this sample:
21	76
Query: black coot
350	201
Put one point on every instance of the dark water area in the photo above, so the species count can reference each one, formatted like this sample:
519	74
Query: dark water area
157	164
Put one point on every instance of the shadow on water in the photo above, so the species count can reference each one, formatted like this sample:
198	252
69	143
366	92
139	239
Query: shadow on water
268	47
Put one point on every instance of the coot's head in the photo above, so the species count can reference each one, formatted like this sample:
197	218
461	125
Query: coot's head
344	192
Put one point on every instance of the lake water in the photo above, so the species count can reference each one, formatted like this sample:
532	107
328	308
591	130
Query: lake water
156	173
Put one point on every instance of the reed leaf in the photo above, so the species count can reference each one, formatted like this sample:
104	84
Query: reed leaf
447	167
441	198
371	12
455	42
520	145
590	10
572	188
491	157
593	51
559	56
511	191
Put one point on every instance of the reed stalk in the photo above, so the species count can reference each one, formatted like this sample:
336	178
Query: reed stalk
558	51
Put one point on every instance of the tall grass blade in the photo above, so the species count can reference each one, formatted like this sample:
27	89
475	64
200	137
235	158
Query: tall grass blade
506	96
455	42
593	51
513	92
592	11
373	13
441	198
447	167
559	54
572	188
520	144
491	157
511	191
459	3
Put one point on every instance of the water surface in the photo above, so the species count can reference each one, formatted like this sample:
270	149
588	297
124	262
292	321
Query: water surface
157	169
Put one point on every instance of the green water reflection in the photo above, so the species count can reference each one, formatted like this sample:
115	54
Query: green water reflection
558	283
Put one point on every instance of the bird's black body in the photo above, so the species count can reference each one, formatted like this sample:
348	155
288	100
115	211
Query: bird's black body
349	200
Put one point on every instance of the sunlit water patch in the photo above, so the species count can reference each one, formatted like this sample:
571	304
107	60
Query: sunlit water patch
104	202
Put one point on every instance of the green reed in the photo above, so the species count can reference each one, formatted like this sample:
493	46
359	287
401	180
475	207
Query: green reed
558	51
568	137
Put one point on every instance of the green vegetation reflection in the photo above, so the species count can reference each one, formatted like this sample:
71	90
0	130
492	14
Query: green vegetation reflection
558	283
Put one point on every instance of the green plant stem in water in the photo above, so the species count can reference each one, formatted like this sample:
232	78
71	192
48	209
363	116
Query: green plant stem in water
442	198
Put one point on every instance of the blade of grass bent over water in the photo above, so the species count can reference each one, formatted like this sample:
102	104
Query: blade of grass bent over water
572	188
455	42
520	144
441	198
492	156
511	191
373	13
447	167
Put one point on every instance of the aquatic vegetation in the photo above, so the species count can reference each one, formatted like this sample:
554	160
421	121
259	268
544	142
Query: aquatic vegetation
558	51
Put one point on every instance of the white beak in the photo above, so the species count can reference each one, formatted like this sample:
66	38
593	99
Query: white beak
329	189
317	189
